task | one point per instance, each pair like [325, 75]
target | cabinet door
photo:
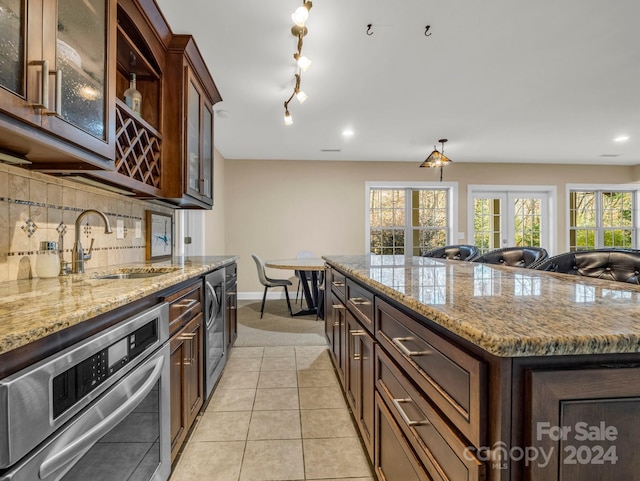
[14, 53]
[586, 421]
[360, 378]
[79, 43]
[335, 328]
[178, 422]
[199, 155]
[207, 153]
[194, 377]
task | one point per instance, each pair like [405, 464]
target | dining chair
[268, 282]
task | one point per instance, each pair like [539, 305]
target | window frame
[599, 229]
[452, 205]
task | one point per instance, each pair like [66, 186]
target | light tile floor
[278, 413]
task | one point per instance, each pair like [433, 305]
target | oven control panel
[79, 380]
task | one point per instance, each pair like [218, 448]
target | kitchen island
[473, 371]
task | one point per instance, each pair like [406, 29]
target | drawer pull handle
[403, 415]
[398, 341]
[189, 303]
[357, 332]
[337, 284]
[338, 306]
[187, 336]
[360, 301]
[336, 324]
[357, 357]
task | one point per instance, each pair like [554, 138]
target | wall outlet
[187, 240]
[138, 234]
[119, 229]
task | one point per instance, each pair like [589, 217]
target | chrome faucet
[77, 255]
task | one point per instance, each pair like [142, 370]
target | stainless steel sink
[130, 275]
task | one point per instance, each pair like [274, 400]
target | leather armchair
[619, 265]
[460, 252]
[514, 256]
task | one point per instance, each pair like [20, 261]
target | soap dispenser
[47, 262]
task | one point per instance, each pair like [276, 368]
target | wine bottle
[132, 97]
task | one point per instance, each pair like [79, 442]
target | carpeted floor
[277, 327]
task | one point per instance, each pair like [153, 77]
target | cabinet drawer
[184, 305]
[338, 284]
[450, 377]
[442, 452]
[360, 302]
[394, 460]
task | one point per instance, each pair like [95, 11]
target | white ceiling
[503, 80]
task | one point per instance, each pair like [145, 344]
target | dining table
[303, 266]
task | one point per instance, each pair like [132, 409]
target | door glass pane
[527, 220]
[193, 138]
[486, 224]
[207, 150]
[12, 45]
[81, 56]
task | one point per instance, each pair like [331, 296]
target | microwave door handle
[79, 445]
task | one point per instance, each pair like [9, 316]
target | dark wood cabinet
[189, 125]
[335, 332]
[58, 79]
[186, 328]
[586, 421]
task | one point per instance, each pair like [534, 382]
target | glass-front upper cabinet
[56, 68]
[199, 165]
[13, 60]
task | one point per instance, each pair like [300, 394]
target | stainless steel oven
[214, 340]
[98, 410]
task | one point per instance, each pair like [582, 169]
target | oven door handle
[83, 443]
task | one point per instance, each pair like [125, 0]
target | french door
[499, 219]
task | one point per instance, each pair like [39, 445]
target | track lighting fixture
[437, 159]
[299, 30]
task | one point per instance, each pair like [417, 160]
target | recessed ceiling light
[348, 132]
[621, 138]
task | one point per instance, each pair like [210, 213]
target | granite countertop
[34, 308]
[508, 311]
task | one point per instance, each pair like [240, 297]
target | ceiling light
[347, 132]
[299, 18]
[303, 62]
[301, 15]
[437, 159]
[621, 138]
[301, 96]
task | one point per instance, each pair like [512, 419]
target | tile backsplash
[36, 207]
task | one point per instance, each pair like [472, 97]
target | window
[516, 217]
[408, 219]
[601, 218]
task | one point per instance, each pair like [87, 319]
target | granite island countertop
[31, 309]
[508, 311]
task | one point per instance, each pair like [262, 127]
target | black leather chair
[514, 256]
[460, 252]
[621, 265]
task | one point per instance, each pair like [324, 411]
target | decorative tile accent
[62, 228]
[29, 227]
